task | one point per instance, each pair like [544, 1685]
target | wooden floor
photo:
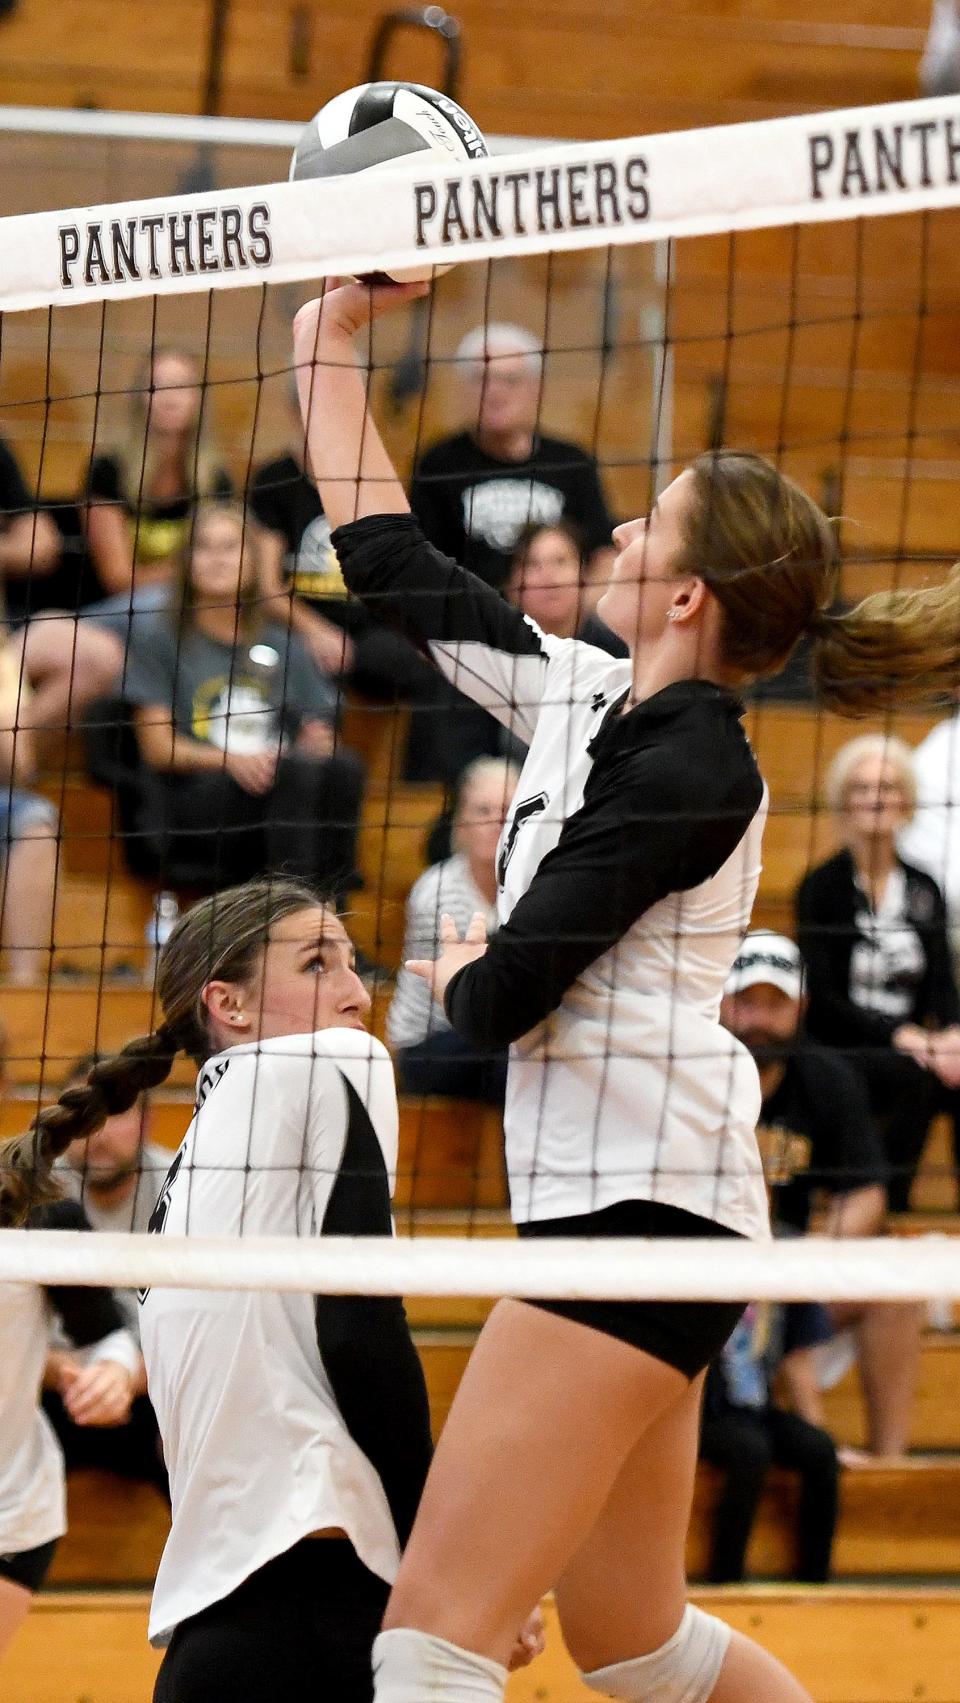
[865, 1645]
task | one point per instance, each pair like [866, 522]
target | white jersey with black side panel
[282, 1414]
[628, 867]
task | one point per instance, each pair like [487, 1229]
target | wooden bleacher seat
[862, 1644]
[116, 1531]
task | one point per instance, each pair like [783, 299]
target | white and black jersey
[282, 1414]
[643, 831]
[32, 1500]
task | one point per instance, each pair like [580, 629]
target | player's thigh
[546, 1414]
[623, 1593]
[15, 1603]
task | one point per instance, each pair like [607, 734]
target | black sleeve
[484, 646]
[14, 496]
[411, 586]
[937, 996]
[825, 935]
[103, 479]
[670, 827]
[88, 1314]
[588, 507]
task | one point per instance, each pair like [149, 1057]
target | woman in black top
[141, 492]
[873, 933]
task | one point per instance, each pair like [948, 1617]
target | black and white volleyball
[380, 125]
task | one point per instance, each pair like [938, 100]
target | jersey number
[524, 812]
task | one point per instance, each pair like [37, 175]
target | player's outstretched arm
[345, 455]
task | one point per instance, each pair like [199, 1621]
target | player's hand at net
[454, 953]
[344, 308]
[531, 1641]
[98, 1394]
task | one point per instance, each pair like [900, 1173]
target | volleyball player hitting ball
[285, 1419]
[628, 867]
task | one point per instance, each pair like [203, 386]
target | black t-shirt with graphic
[815, 1132]
[473, 507]
[158, 529]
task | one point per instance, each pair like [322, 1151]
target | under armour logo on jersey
[528, 808]
[598, 702]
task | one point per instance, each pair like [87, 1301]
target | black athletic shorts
[685, 1334]
[29, 1566]
[301, 1627]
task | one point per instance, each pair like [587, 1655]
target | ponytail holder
[168, 1038]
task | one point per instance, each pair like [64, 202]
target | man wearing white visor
[820, 1150]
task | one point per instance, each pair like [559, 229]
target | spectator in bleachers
[141, 492]
[474, 492]
[749, 1424]
[431, 1058]
[98, 1390]
[66, 662]
[301, 575]
[237, 727]
[820, 1149]
[116, 1176]
[97, 1386]
[932, 839]
[546, 582]
[28, 835]
[873, 933]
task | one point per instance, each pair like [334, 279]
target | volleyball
[380, 125]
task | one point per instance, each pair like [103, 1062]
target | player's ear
[689, 598]
[224, 1004]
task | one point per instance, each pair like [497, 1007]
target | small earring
[672, 614]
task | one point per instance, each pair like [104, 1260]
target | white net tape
[721, 1270]
[898, 158]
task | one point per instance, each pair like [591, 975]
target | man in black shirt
[474, 492]
[818, 1143]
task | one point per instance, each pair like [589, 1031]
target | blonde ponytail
[893, 649]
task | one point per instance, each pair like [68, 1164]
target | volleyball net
[787, 287]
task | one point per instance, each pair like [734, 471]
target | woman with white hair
[872, 930]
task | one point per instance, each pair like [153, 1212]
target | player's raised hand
[454, 953]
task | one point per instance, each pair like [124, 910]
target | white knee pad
[684, 1670]
[415, 1667]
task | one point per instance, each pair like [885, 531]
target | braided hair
[222, 936]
